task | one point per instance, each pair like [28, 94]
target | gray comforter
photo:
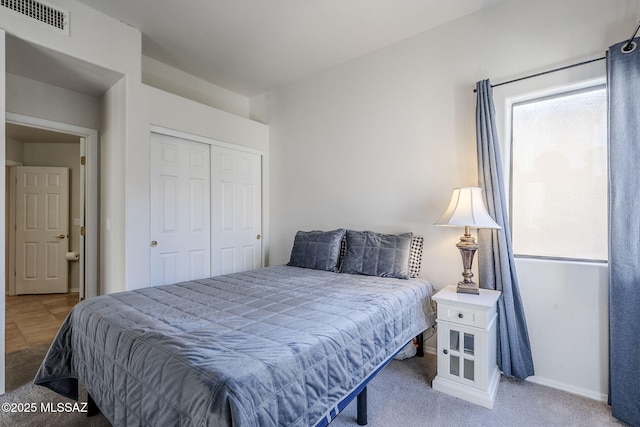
[275, 346]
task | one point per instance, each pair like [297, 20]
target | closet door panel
[180, 248]
[236, 210]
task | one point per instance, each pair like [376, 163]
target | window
[559, 176]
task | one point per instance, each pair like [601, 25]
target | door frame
[10, 285]
[89, 195]
[263, 168]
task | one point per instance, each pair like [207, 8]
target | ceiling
[253, 46]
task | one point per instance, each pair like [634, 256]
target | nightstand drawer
[461, 316]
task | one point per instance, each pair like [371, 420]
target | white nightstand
[467, 345]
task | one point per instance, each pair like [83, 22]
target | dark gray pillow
[319, 250]
[376, 254]
[415, 255]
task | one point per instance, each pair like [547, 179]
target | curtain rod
[627, 48]
[547, 72]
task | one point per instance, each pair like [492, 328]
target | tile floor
[33, 320]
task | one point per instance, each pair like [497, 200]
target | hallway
[34, 320]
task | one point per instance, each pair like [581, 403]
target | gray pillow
[415, 255]
[376, 254]
[319, 250]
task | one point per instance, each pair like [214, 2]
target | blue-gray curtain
[623, 86]
[496, 266]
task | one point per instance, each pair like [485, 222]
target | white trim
[568, 388]
[10, 220]
[82, 289]
[549, 383]
[88, 145]
[202, 139]
[3, 154]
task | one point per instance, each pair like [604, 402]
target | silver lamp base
[468, 248]
[468, 288]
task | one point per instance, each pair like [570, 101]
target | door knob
[258, 237]
[60, 236]
[154, 243]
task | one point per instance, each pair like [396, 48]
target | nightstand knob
[445, 351]
[460, 315]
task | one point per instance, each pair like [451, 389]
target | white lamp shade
[467, 209]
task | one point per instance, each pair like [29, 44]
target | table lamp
[467, 210]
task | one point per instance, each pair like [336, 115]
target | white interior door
[236, 186]
[180, 210]
[42, 229]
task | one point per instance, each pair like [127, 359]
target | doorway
[50, 84]
[33, 148]
[32, 320]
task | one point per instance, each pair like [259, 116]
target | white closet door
[236, 184]
[42, 229]
[180, 210]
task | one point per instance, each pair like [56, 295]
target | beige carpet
[21, 366]
[400, 395]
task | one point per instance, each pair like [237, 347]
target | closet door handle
[258, 237]
[154, 243]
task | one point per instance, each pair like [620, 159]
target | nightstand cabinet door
[458, 350]
[467, 345]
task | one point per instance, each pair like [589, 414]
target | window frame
[539, 96]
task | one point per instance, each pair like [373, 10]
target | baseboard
[594, 395]
[550, 383]
[74, 290]
[485, 398]
[431, 350]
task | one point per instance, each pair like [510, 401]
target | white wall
[567, 315]
[380, 141]
[99, 41]
[170, 111]
[36, 99]
[14, 151]
[125, 113]
[112, 187]
[94, 38]
[123, 116]
[44, 101]
[169, 79]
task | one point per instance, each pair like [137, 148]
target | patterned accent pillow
[376, 254]
[319, 250]
[415, 256]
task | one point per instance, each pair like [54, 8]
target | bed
[285, 345]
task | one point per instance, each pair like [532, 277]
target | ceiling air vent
[41, 11]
